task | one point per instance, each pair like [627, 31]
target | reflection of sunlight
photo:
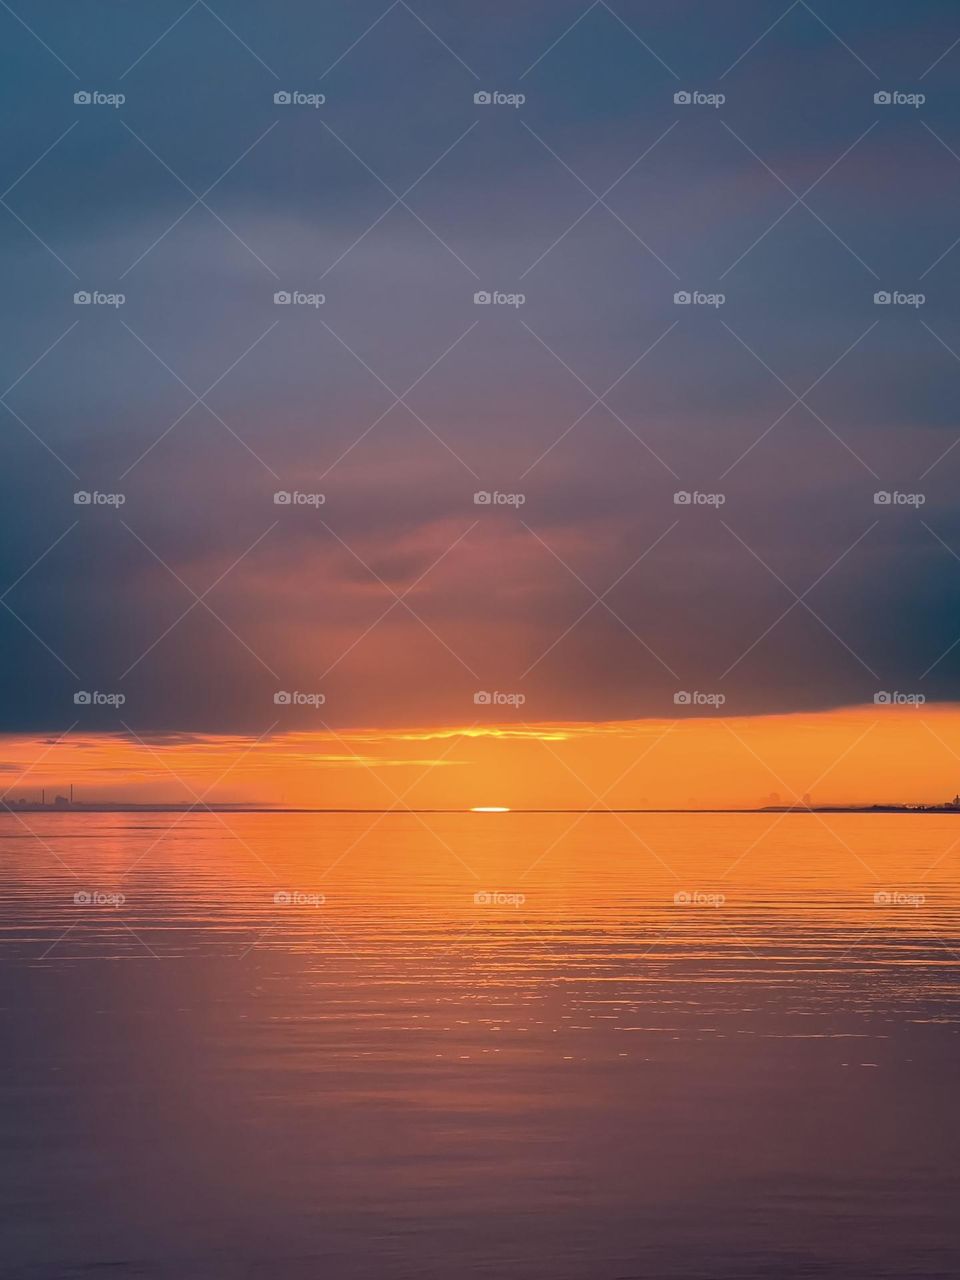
[489, 808]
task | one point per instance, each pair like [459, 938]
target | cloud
[398, 398]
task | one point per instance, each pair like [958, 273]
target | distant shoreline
[279, 809]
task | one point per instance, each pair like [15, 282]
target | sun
[489, 808]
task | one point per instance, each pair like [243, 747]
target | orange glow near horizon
[859, 755]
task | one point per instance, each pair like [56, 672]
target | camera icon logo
[882, 298]
[282, 699]
[482, 298]
[682, 98]
[482, 699]
[282, 98]
[282, 498]
[682, 699]
[82, 498]
[682, 498]
[482, 99]
[882, 98]
[882, 498]
[82, 698]
[882, 699]
[82, 299]
[682, 298]
[82, 98]
[282, 298]
[482, 498]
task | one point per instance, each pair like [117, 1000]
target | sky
[587, 605]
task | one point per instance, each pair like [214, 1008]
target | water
[599, 1082]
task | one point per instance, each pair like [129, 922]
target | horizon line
[242, 807]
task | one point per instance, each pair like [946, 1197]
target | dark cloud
[496, 398]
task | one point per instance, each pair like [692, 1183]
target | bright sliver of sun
[489, 808]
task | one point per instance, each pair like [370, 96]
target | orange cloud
[855, 755]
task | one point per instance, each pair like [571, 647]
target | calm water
[375, 1075]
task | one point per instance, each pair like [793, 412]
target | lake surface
[656, 1046]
